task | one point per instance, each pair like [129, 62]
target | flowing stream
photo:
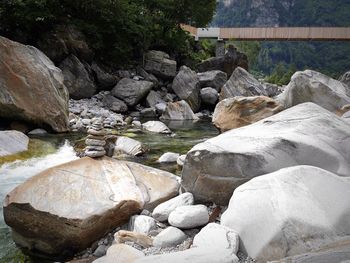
[51, 150]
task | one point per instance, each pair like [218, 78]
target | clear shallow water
[53, 150]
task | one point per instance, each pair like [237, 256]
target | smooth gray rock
[189, 216]
[169, 237]
[77, 78]
[37, 132]
[312, 86]
[156, 126]
[217, 236]
[193, 255]
[209, 96]
[289, 212]
[162, 211]
[242, 83]
[160, 107]
[142, 224]
[214, 79]
[132, 91]
[100, 251]
[126, 145]
[153, 98]
[168, 157]
[160, 64]
[186, 86]
[12, 142]
[304, 134]
[178, 111]
[114, 104]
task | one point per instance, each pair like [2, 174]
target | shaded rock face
[209, 96]
[31, 87]
[179, 110]
[312, 86]
[63, 41]
[105, 81]
[299, 135]
[186, 86]
[214, 79]
[289, 212]
[338, 251]
[241, 111]
[114, 104]
[66, 208]
[242, 83]
[160, 64]
[227, 63]
[132, 91]
[77, 79]
[12, 142]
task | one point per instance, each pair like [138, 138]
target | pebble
[168, 157]
[169, 237]
[190, 216]
[162, 211]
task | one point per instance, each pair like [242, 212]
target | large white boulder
[312, 86]
[64, 209]
[289, 212]
[304, 134]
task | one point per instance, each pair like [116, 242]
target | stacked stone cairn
[95, 140]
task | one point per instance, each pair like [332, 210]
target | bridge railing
[272, 33]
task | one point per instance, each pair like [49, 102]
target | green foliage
[281, 74]
[205, 49]
[116, 29]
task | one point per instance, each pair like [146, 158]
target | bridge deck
[272, 33]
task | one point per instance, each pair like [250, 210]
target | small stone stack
[95, 141]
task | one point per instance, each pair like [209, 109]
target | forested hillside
[329, 57]
[117, 31]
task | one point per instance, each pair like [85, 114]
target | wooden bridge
[272, 33]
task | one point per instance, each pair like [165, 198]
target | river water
[51, 150]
